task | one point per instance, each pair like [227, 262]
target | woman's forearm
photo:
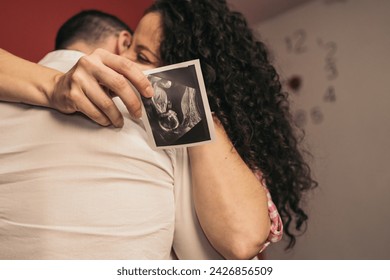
[25, 82]
[82, 89]
[230, 201]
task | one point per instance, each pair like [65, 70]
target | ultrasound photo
[178, 114]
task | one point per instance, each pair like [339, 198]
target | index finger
[129, 70]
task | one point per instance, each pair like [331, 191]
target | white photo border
[204, 100]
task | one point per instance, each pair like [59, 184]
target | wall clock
[309, 68]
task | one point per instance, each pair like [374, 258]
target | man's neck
[81, 47]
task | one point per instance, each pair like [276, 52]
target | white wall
[341, 47]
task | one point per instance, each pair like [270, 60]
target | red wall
[28, 27]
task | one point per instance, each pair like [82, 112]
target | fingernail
[119, 123]
[138, 114]
[106, 123]
[149, 91]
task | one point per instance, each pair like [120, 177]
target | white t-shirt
[70, 189]
[61, 60]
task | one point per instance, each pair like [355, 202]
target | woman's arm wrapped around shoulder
[87, 88]
[22, 81]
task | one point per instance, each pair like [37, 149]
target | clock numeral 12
[296, 42]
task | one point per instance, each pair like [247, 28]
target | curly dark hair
[245, 94]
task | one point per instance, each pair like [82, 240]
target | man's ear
[124, 41]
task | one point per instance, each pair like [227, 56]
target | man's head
[91, 29]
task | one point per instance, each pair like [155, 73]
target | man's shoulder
[61, 60]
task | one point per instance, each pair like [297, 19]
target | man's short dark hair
[90, 26]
